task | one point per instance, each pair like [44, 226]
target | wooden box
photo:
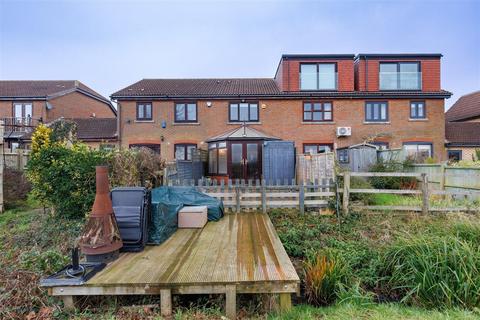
[192, 217]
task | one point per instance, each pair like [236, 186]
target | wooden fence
[423, 190]
[255, 194]
[450, 178]
[16, 160]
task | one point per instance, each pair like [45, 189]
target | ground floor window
[342, 155]
[316, 148]
[418, 152]
[183, 151]
[152, 146]
[107, 147]
[217, 158]
[454, 155]
[381, 145]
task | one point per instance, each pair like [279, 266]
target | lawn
[34, 243]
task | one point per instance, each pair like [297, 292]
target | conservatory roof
[242, 133]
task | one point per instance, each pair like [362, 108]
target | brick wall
[430, 69]
[78, 105]
[283, 118]
[288, 74]
[6, 109]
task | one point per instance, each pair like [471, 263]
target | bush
[432, 271]
[64, 178]
[44, 262]
[324, 275]
[392, 182]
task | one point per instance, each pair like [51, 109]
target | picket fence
[238, 195]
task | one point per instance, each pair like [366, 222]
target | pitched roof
[43, 89]
[468, 106]
[89, 129]
[247, 87]
[462, 133]
[180, 87]
[96, 128]
[242, 133]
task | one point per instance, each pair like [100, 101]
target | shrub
[64, 178]
[44, 262]
[392, 182]
[324, 274]
[434, 271]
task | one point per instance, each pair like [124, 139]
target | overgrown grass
[373, 312]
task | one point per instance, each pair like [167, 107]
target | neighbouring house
[97, 133]
[320, 102]
[26, 103]
[463, 128]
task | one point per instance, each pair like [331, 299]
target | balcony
[400, 80]
[327, 81]
[15, 126]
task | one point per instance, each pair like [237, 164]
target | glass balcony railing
[318, 81]
[400, 80]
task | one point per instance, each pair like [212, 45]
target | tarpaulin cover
[167, 201]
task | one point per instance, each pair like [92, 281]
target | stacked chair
[131, 208]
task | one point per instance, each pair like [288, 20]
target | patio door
[245, 159]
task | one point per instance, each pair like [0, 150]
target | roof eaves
[397, 55]
[317, 56]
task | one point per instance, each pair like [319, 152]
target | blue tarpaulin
[167, 201]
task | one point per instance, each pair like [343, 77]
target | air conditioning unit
[344, 131]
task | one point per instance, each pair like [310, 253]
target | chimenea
[100, 240]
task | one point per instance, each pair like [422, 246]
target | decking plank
[240, 248]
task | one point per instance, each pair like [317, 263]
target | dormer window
[400, 76]
[318, 76]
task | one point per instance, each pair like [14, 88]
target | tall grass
[434, 271]
[324, 274]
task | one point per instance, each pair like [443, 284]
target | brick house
[321, 102]
[24, 104]
[463, 127]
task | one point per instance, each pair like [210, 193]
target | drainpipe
[119, 117]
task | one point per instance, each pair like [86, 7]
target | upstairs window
[183, 151]
[243, 111]
[185, 112]
[417, 110]
[22, 112]
[376, 112]
[318, 76]
[400, 76]
[144, 111]
[317, 111]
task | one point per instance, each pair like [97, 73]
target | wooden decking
[241, 253]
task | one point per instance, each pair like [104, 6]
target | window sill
[246, 122]
[144, 121]
[318, 122]
[419, 119]
[185, 123]
[376, 122]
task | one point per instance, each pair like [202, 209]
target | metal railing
[20, 124]
[400, 80]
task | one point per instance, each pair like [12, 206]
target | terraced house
[321, 102]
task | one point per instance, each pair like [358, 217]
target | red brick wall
[283, 118]
[6, 109]
[288, 75]
[78, 105]
[430, 74]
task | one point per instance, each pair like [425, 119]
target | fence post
[1, 165]
[19, 159]
[346, 192]
[264, 197]
[301, 197]
[237, 198]
[425, 196]
[442, 176]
